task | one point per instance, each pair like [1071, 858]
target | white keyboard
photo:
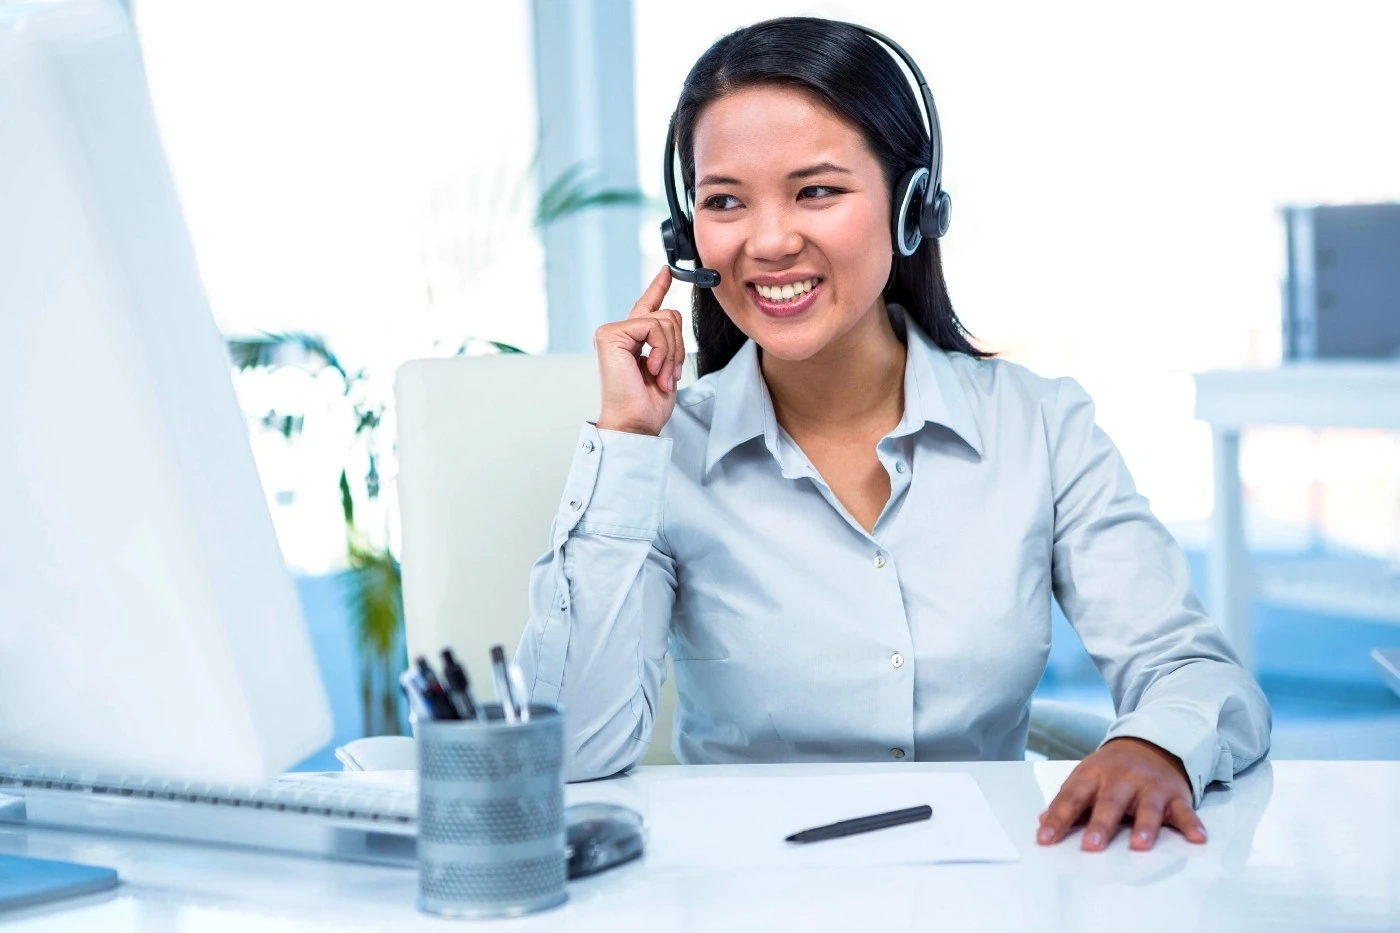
[322, 814]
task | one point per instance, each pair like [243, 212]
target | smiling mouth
[785, 301]
[781, 294]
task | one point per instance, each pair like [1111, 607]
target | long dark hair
[860, 80]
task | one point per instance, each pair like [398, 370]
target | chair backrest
[485, 444]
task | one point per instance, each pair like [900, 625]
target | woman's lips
[784, 308]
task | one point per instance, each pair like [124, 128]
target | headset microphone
[675, 230]
[699, 276]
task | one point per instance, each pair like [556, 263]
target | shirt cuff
[1183, 733]
[616, 485]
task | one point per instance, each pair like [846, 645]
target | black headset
[934, 211]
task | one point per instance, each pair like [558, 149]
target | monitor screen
[148, 624]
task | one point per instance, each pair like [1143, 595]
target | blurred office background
[373, 183]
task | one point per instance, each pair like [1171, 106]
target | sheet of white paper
[705, 824]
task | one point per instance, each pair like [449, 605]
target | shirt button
[588, 447]
[899, 466]
[575, 504]
[879, 561]
[897, 753]
[563, 602]
[897, 659]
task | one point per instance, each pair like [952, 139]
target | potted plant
[375, 600]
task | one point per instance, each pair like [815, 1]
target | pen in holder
[491, 814]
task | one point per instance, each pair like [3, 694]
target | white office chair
[485, 445]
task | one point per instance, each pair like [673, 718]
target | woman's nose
[773, 236]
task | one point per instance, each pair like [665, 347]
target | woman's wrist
[605, 425]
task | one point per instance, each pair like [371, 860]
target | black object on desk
[458, 689]
[863, 824]
[600, 836]
[433, 692]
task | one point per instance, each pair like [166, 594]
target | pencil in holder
[491, 814]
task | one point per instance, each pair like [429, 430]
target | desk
[1323, 394]
[1294, 845]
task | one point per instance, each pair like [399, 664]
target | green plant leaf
[283, 423]
[347, 503]
[494, 344]
[376, 600]
[573, 192]
[265, 351]
[505, 347]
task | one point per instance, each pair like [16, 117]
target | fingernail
[1046, 833]
[1095, 839]
[678, 371]
[1143, 835]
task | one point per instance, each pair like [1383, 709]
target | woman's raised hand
[639, 392]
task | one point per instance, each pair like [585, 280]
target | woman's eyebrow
[718, 180]
[821, 168]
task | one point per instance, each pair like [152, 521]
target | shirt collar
[743, 407]
[932, 394]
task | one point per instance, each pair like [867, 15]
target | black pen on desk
[433, 692]
[459, 688]
[501, 679]
[863, 824]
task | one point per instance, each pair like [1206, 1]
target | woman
[850, 528]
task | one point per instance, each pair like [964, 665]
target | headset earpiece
[936, 216]
[906, 220]
[675, 241]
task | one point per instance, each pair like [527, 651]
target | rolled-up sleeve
[601, 601]
[1124, 584]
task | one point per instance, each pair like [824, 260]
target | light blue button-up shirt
[795, 635]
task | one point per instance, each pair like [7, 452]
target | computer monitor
[148, 624]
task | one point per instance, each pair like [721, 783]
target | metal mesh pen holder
[491, 814]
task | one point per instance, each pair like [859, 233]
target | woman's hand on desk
[639, 392]
[1126, 776]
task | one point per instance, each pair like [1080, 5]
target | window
[358, 171]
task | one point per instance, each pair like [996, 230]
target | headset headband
[935, 132]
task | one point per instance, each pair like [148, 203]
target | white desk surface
[1294, 845]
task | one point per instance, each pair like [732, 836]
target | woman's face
[792, 210]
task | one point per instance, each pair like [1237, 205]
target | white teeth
[786, 292]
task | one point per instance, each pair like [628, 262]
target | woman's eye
[818, 191]
[719, 202]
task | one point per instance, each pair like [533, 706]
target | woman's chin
[791, 341]
[783, 344]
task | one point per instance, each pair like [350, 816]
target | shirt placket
[897, 657]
